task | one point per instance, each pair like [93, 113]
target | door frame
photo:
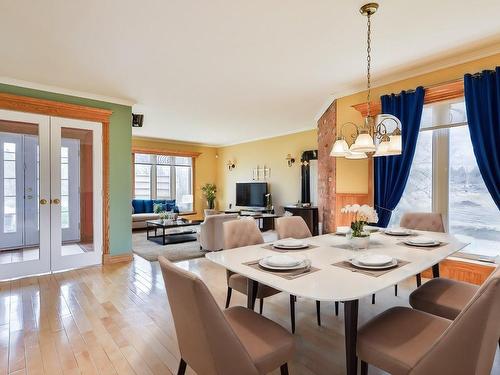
[73, 111]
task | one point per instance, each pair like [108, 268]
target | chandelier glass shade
[379, 135]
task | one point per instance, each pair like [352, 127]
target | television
[251, 194]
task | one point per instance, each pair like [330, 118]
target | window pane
[9, 169]
[417, 195]
[163, 182]
[9, 187]
[9, 147]
[142, 188]
[163, 159]
[143, 158]
[183, 160]
[183, 188]
[473, 216]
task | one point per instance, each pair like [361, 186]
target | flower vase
[359, 242]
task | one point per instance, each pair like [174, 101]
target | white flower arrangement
[362, 215]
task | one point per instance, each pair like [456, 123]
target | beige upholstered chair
[406, 341]
[296, 227]
[443, 297]
[427, 221]
[211, 236]
[239, 233]
[292, 227]
[215, 342]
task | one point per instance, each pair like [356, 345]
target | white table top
[332, 283]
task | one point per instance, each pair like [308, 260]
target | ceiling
[225, 71]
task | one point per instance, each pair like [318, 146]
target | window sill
[187, 213]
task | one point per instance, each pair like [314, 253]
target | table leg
[435, 270]
[164, 243]
[147, 231]
[252, 287]
[351, 335]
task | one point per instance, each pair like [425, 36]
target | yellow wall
[284, 181]
[352, 175]
[205, 165]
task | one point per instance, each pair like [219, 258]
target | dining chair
[296, 227]
[443, 297]
[239, 233]
[216, 342]
[408, 341]
[426, 221]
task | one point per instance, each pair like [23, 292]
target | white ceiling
[225, 71]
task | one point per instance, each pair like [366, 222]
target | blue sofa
[142, 210]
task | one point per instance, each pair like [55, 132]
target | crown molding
[423, 68]
[64, 91]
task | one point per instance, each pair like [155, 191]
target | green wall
[120, 179]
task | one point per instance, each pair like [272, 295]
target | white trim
[64, 91]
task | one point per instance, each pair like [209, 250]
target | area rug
[150, 250]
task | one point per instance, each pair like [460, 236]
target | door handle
[56, 201]
[43, 201]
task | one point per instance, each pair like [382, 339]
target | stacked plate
[370, 228]
[374, 261]
[284, 262]
[290, 244]
[422, 242]
[398, 232]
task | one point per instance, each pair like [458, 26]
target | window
[445, 178]
[164, 177]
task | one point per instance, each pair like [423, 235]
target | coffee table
[183, 234]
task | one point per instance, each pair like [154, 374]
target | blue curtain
[391, 172]
[482, 101]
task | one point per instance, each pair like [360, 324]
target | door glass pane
[473, 216]
[19, 198]
[77, 196]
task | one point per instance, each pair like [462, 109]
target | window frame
[153, 182]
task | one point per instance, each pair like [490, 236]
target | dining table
[329, 279]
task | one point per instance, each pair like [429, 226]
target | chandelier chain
[368, 61]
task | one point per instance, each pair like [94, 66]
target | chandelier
[379, 135]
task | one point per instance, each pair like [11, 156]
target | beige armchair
[211, 236]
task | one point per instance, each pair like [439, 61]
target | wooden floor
[115, 319]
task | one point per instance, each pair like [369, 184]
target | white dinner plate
[374, 259]
[370, 228]
[420, 240]
[304, 263]
[290, 244]
[397, 232]
[342, 231]
[282, 260]
[420, 244]
[393, 263]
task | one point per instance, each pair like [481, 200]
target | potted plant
[209, 191]
[362, 215]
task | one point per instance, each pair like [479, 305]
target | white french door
[50, 194]
[76, 209]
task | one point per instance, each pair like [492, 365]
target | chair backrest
[292, 227]
[429, 221]
[211, 237]
[243, 232]
[207, 342]
[469, 344]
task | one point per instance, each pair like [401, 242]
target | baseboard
[109, 259]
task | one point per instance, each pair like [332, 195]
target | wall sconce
[230, 165]
[290, 160]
